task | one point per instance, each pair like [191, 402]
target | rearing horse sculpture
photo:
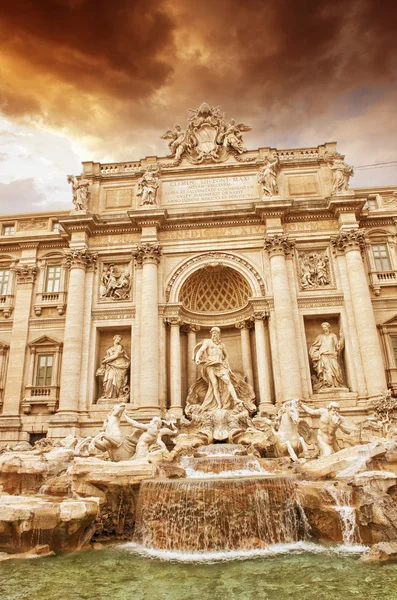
[289, 440]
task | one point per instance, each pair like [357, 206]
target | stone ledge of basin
[95, 470]
[23, 508]
[345, 463]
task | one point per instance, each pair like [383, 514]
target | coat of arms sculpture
[207, 137]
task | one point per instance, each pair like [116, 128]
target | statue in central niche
[221, 386]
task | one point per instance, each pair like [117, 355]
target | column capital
[260, 315]
[190, 328]
[349, 240]
[147, 252]
[80, 258]
[245, 324]
[277, 245]
[26, 273]
[173, 321]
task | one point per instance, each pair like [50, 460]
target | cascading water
[216, 514]
[347, 514]
[227, 466]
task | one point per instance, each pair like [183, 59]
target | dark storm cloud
[124, 70]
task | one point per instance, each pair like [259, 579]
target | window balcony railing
[382, 278]
[6, 305]
[40, 395]
[50, 300]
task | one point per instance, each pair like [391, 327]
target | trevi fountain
[195, 402]
[157, 504]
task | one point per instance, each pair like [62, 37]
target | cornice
[113, 313]
[385, 303]
[319, 301]
[148, 217]
[48, 322]
[80, 222]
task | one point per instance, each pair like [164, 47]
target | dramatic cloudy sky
[101, 80]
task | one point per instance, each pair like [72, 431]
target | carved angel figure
[267, 177]
[81, 191]
[180, 141]
[341, 173]
[233, 136]
[148, 185]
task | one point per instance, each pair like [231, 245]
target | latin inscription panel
[210, 189]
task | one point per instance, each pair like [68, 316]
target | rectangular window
[44, 369]
[53, 282]
[9, 229]
[381, 257]
[394, 345]
[4, 275]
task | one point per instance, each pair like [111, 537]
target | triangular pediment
[392, 321]
[44, 340]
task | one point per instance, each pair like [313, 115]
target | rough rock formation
[29, 521]
[345, 463]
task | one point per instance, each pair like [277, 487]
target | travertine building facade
[266, 244]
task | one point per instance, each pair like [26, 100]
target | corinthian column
[265, 392]
[77, 260]
[244, 327]
[175, 366]
[351, 243]
[148, 254]
[25, 277]
[191, 329]
[278, 248]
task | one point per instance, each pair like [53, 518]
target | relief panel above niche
[314, 269]
[306, 184]
[118, 198]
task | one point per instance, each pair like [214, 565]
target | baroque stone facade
[272, 246]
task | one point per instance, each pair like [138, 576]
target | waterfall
[346, 512]
[221, 465]
[217, 514]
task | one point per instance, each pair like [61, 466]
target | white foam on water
[232, 555]
[193, 474]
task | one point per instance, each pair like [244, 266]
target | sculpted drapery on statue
[148, 185]
[114, 370]
[341, 173]
[267, 176]
[218, 387]
[325, 355]
[81, 190]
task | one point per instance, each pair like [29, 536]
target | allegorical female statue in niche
[114, 369]
[325, 355]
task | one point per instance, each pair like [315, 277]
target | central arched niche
[215, 289]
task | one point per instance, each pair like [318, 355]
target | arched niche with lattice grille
[215, 288]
